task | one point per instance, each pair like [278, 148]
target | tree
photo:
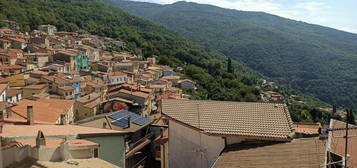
[334, 109]
[351, 117]
[230, 68]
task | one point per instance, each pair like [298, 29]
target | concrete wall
[81, 112]
[47, 154]
[81, 153]
[112, 149]
[190, 148]
[15, 154]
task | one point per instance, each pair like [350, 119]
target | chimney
[3, 113]
[30, 116]
[63, 120]
[40, 139]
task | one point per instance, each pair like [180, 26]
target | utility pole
[346, 137]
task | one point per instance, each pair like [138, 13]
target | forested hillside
[313, 59]
[207, 67]
[93, 16]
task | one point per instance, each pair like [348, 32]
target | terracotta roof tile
[232, 118]
[299, 153]
[117, 74]
[3, 87]
[45, 110]
[40, 86]
[135, 93]
[12, 92]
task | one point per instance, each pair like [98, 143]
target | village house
[41, 39]
[87, 106]
[274, 96]
[17, 43]
[4, 44]
[3, 90]
[187, 84]
[92, 53]
[168, 72]
[114, 78]
[56, 68]
[31, 90]
[9, 56]
[66, 86]
[49, 29]
[206, 128]
[143, 99]
[124, 66]
[17, 80]
[8, 70]
[11, 24]
[13, 95]
[39, 60]
[144, 78]
[56, 143]
[138, 138]
[61, 111]
[76, 60]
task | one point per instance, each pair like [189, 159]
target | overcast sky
[339, 14]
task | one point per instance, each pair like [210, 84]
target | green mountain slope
[94, 16]
[313, 59]
[208, 68]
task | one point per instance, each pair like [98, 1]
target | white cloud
[347, 29]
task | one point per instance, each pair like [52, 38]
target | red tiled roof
[39, 86]
[307, 128]
[18, 40]
[299, 153]
[12, 92]
[117, 74]
[135, 93]
[45, 110]
[3, 87]
[256, 120]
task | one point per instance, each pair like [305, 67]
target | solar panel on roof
[121, 122]
[119, 114]
[133, 116]
[141, 121]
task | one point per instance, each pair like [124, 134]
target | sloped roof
[3, 87]
[117, 74]
[306, 153]
[12, 92]
[337, 143]
[45, 110]
[265, 120]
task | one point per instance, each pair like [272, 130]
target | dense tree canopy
[313, 59]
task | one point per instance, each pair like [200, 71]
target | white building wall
[190, 148]
[15, 154]
[118, 79]
[3, 96]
